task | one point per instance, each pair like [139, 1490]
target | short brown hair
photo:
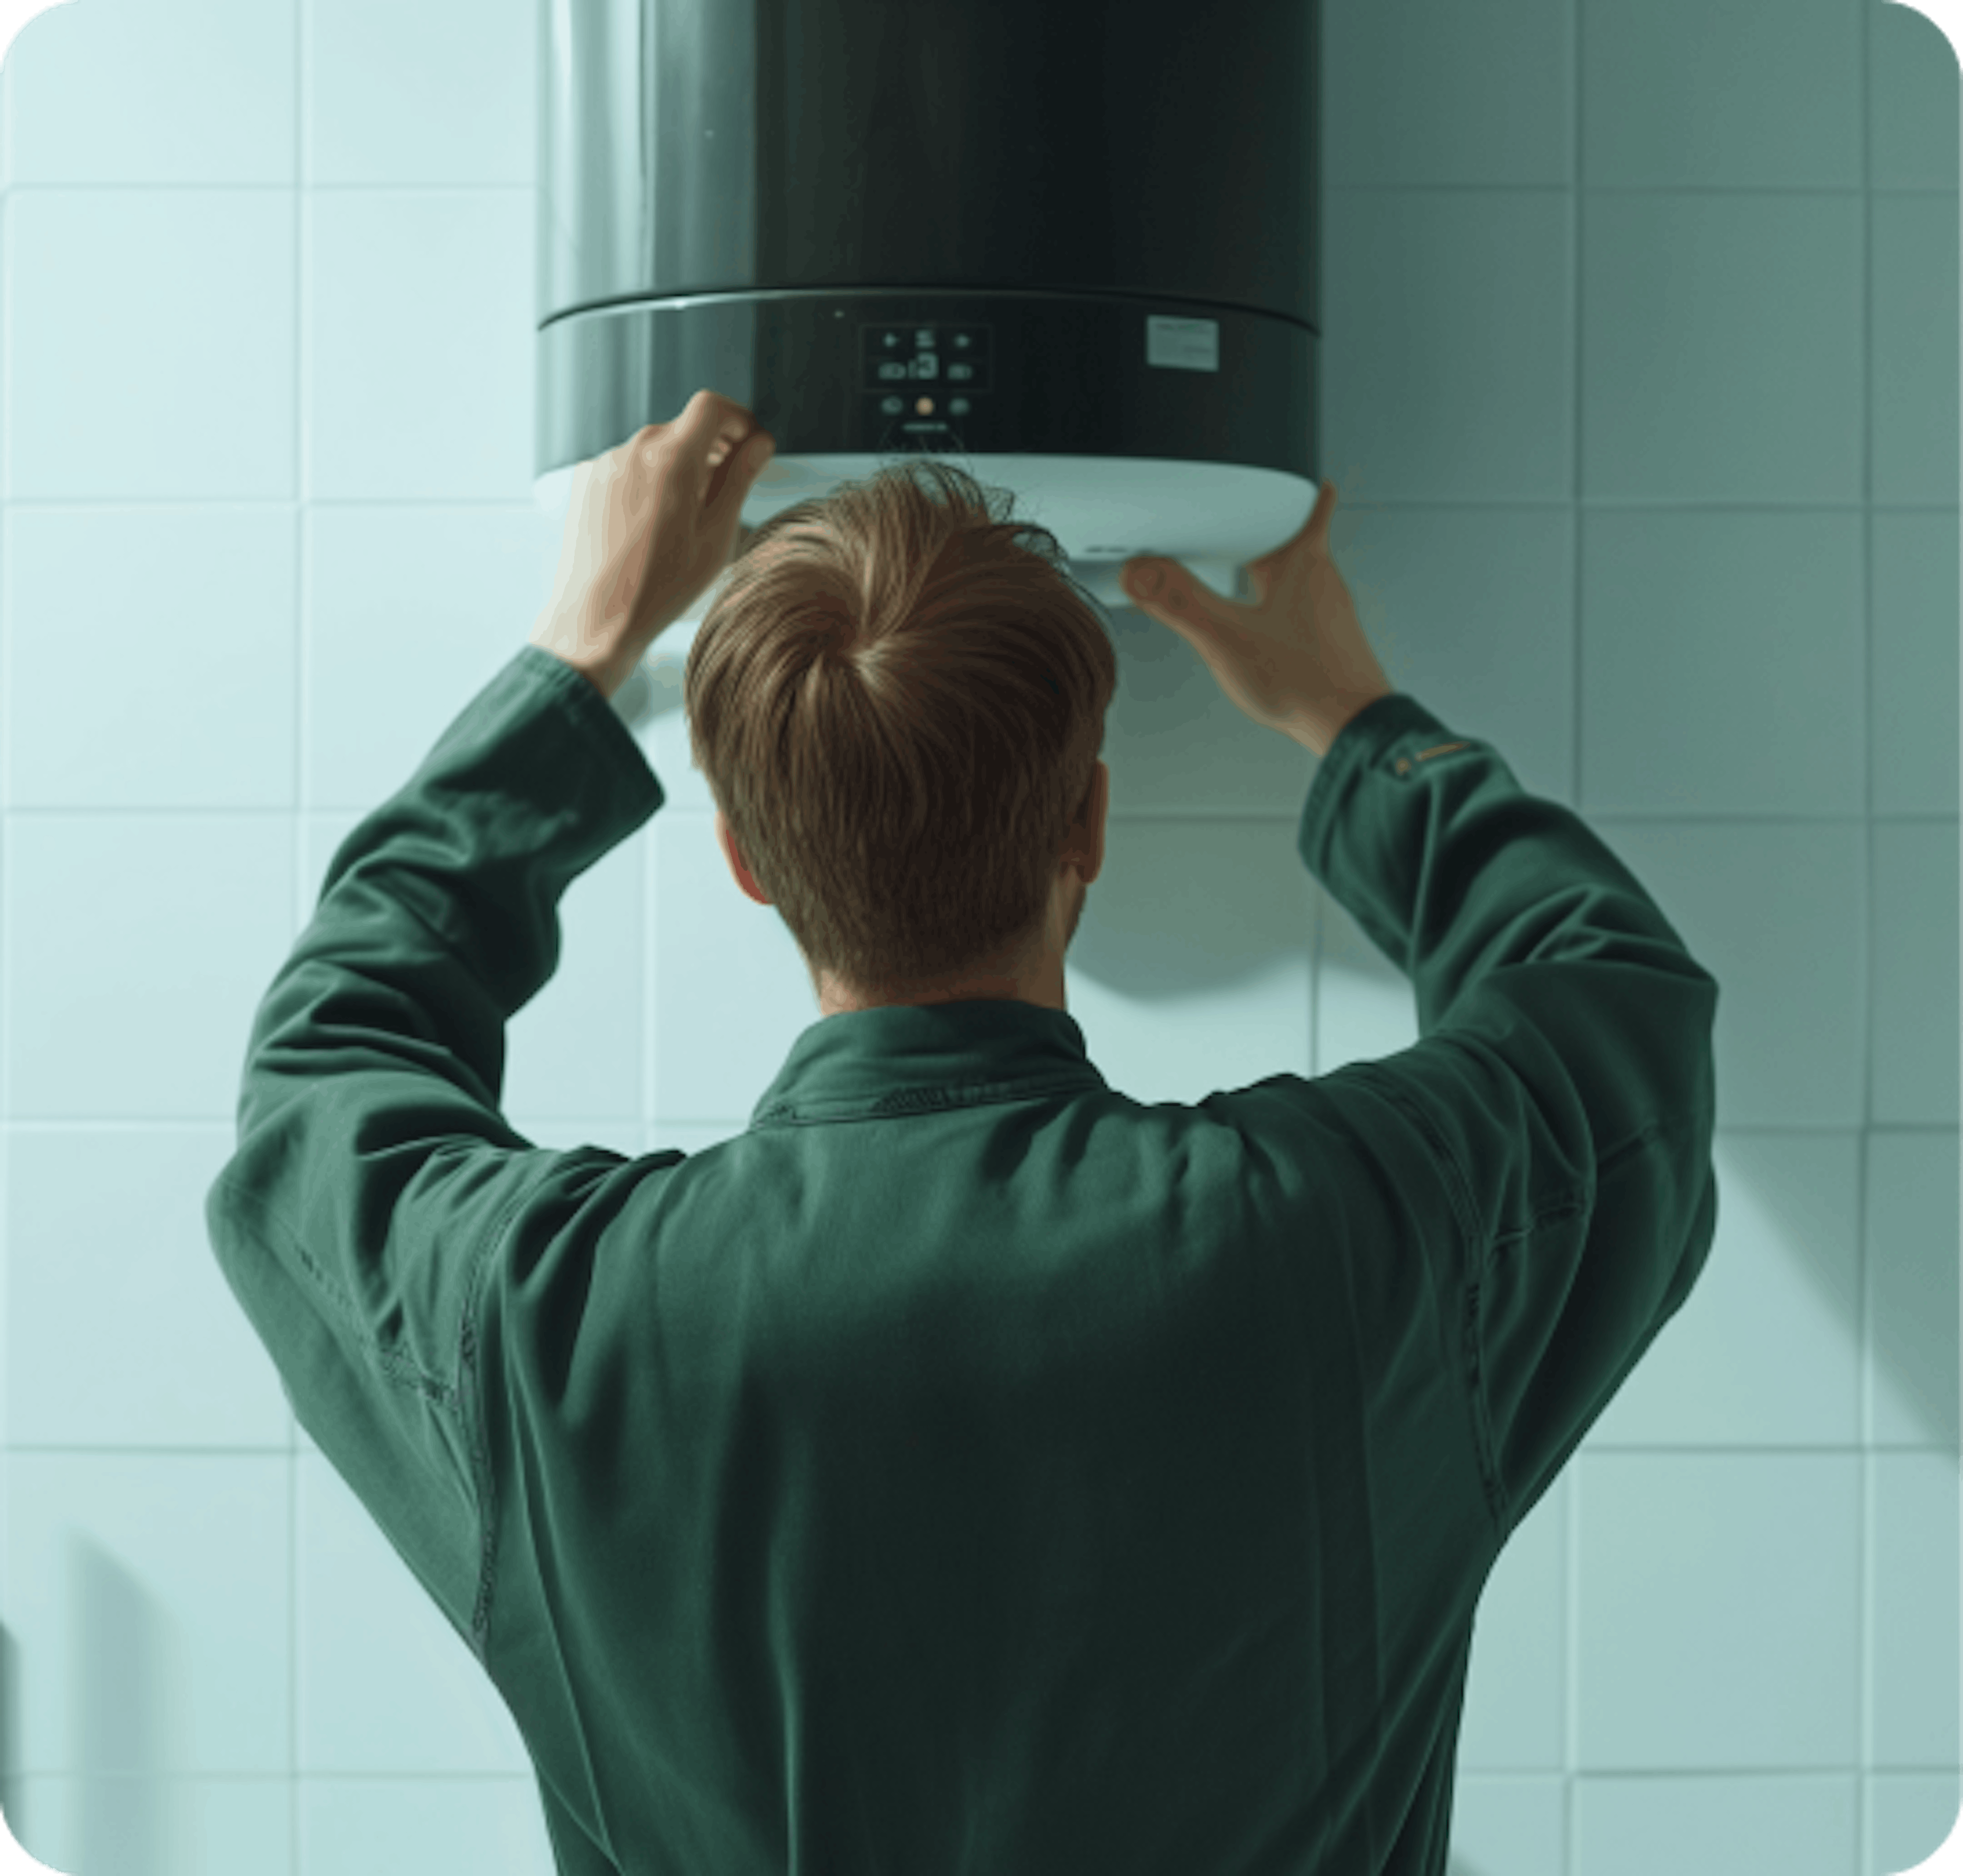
[897, 701]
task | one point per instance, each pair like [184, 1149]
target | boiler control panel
[920, 381]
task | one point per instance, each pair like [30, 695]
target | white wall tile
[1775, 910]
[1912, 99]
[150, 1599]
[1916, 660]
[1916, 1016]
[419, 362]
[1433, 89]
[1468, 293]
[151, 344]
[1913, 373]
[1911, 1816]
[1797, 1824]
[439, 92]
[1720, 334]
[1911, 1589]
[423, 1827]
[161, 1827]
[1721, 656]
[1470, 609]
[184, 696]
[1718, 1619]
[130, 91]
[1766, 1352]
[1772, 100]
[121, 1328]
[138, 948]
[1513, 1826]
[411, 609]
[1911, 1236]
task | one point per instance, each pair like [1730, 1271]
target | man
[966, 1468]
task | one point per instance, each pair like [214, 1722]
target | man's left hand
[652, 522]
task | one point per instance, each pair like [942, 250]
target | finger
[710, 420]
[746, 464]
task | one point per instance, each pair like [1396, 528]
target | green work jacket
[968, 1469]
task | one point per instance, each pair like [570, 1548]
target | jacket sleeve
[1545, 1147]
[375, 1175]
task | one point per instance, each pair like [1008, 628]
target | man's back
[969, 1468]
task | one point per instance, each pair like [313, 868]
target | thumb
[1145, 580]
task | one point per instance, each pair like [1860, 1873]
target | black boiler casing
[1070, 244]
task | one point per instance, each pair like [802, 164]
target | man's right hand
[1296, 660]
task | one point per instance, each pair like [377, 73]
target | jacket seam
[468, 1350]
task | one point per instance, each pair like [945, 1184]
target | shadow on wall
[10, 1730]
[119, 1811]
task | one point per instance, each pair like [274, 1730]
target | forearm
[605, 667]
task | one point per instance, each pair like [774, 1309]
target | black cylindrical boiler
[1070, 244]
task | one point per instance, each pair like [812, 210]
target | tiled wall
[1642, 389]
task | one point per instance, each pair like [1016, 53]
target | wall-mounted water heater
[1072, 247]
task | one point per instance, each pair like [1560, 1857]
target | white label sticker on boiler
[1182, 344]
